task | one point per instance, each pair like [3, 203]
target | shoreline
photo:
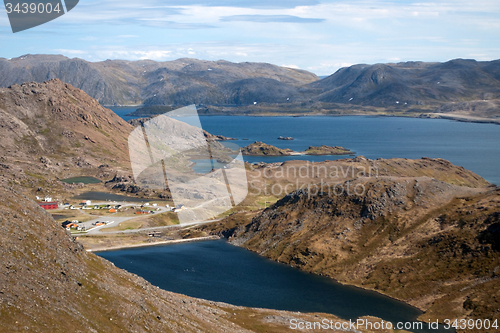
[423, 115]
[173, 241]
[461, 118]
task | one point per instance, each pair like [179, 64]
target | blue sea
[475, 146]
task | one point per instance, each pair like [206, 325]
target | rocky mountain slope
[51, 131]
[54, 118]
[179, 82]
[49, 283]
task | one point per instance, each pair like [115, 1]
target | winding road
[112, 220]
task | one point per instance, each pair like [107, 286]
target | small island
[262, 149]
[328, 150]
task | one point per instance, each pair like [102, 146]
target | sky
[318, 36]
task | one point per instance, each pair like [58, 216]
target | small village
[100, 214]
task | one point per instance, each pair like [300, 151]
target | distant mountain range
[457, 86]
[178, 82]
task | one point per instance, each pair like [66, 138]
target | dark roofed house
[66, 223]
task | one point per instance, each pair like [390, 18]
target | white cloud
[71, 52]
[130, 54]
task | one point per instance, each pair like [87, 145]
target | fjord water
[474, 146]
[122, 111]
[218, 271]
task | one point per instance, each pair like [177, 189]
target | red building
[48, 205]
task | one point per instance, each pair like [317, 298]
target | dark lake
[81, 179]
[218, 271]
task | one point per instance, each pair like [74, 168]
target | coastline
[173, 241]
[461, 118]
[423, 115]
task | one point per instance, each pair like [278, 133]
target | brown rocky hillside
[52, 130]
[292, 175]
[49, 283]
[55, 119]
